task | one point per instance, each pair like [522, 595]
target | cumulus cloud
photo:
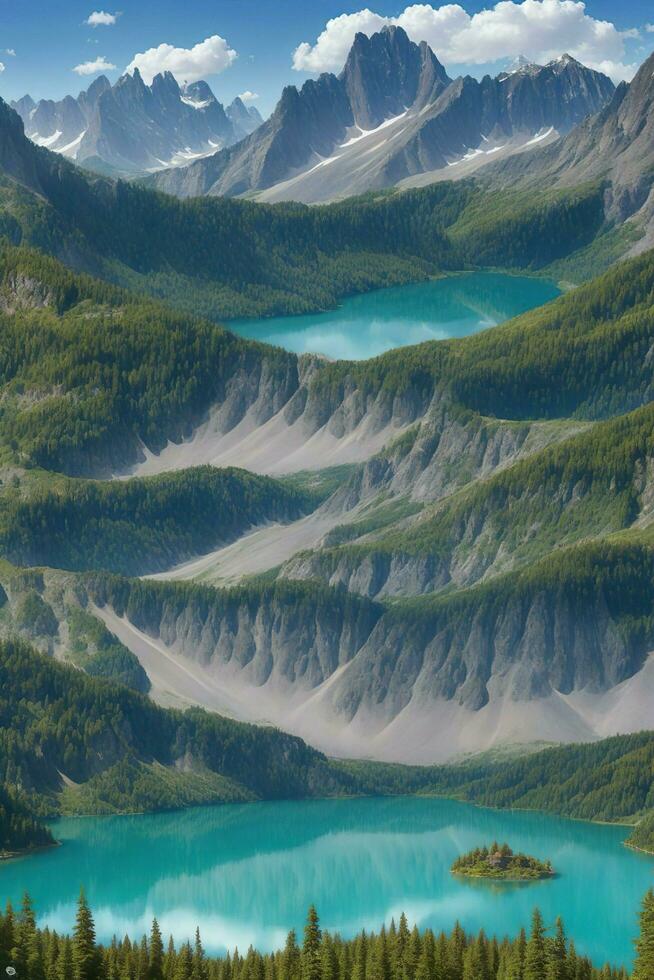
[208, 57]
[539, 29]
[11, 52]
[2, 67]
[649, 28]
[248, 96]
[100, 18]
[93, 67]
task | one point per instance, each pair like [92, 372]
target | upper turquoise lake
[371, 323]
[247, 873]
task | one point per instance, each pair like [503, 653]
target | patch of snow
[70, 150]
[195, 105]
[46, 141]
[540, 136]
[364, 133]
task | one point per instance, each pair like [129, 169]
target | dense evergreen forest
[540, 952]
[123, 748]
[138, 526]
[605, 780]
[19, 829]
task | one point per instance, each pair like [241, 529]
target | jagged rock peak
[385, 72]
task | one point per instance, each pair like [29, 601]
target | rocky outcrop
[616, 144]
[386, 73]
[347, 673]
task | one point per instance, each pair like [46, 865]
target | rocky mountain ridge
[131, 127]
[616, 145]
[392, 115]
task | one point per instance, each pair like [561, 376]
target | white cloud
[649, 28]
[2, 67]
[11, 52]
[93, 67]
[539, 29]
[100, 18]
[208, 57]
[248, 96]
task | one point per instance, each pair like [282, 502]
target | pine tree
[7, 938]
[24, 933]
[516, 964]
[170, 960]
[328, 959]
[65, 960]
[557, 967]
[156, 953]
[644, 965]
[311, 947]
[199, 971]
[360, 966]
[426, 969]
[536, 951]
[184, 963]
[85, 956]
[291, 958]
[380, 967]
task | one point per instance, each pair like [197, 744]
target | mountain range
[132, 127]
[393, 116]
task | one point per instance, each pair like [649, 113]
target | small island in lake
[499, 861]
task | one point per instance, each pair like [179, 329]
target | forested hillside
[604, 781]
[128, 753]
[20, 830]
[137, 526]
[585, 486]
[105, 373]
[261, 259]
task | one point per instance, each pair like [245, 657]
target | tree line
[394, 953]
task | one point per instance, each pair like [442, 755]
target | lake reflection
[246, 874]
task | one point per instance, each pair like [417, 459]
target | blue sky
[252, 45]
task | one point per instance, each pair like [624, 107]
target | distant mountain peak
[132, 127]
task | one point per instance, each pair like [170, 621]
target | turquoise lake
[369, 324]
[247, 873]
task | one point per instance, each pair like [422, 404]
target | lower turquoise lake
[371, 323]
[247, 873]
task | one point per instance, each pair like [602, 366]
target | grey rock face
[312, 151]
[386, 73]
[617, 144]
[357, 663]
[244, 119]
[130, 126]
[383, 76]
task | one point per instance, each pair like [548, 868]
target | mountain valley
[442, 550]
